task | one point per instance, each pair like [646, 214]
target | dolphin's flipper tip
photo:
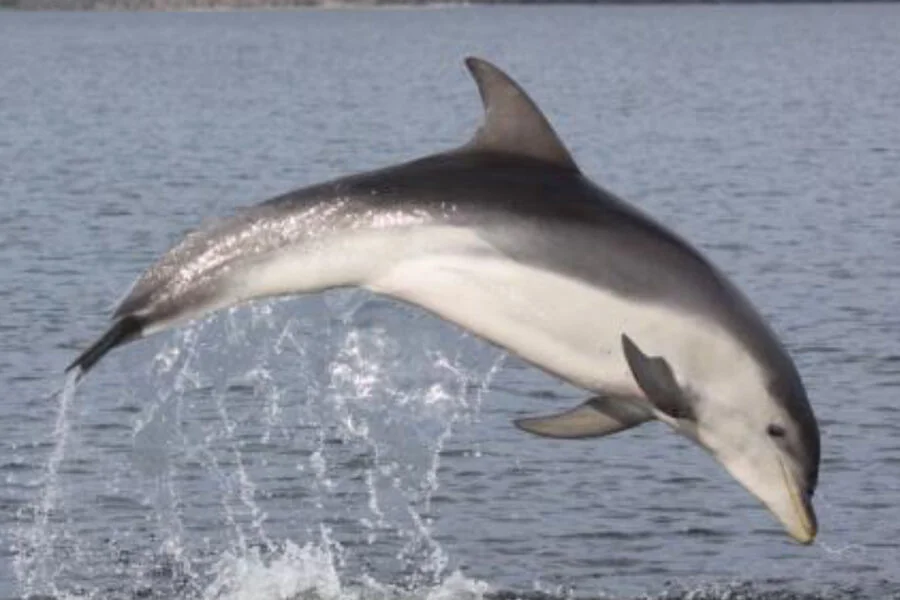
[125, 329]
[598, 416]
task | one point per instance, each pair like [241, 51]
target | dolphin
[505, 237]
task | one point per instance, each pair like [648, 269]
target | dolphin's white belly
[564, 325]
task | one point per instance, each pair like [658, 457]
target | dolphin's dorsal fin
[513, 123]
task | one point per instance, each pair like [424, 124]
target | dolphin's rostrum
[505, 237]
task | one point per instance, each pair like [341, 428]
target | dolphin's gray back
[551, 218]
[558, 220]
[555, 219]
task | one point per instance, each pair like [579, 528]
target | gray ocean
[344, 447]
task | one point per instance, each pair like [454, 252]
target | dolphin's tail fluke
[123, 330]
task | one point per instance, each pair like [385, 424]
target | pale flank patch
[564, 325]
[567, 326]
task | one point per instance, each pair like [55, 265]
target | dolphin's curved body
[508, 239]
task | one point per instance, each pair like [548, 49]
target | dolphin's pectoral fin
[599, 416]
[654, 376]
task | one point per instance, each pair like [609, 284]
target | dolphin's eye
[776, 431]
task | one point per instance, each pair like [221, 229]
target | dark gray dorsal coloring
[513, 124]
[655, 378]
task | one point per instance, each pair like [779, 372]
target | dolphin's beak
[779, 490]
[801, 524]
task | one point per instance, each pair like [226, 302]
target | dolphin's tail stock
[123, 330]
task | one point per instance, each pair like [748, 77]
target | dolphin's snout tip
[804, 535]
[801, 524]
[805, 526]
[810, 526]
[798, 517]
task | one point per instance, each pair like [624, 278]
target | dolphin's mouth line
[801, 509]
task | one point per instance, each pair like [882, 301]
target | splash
[271, 456]
[292, 572]
[36, 562]
[311, 572]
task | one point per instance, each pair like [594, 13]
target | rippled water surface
[344, 447]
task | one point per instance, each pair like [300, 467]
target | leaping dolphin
[506, 237]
